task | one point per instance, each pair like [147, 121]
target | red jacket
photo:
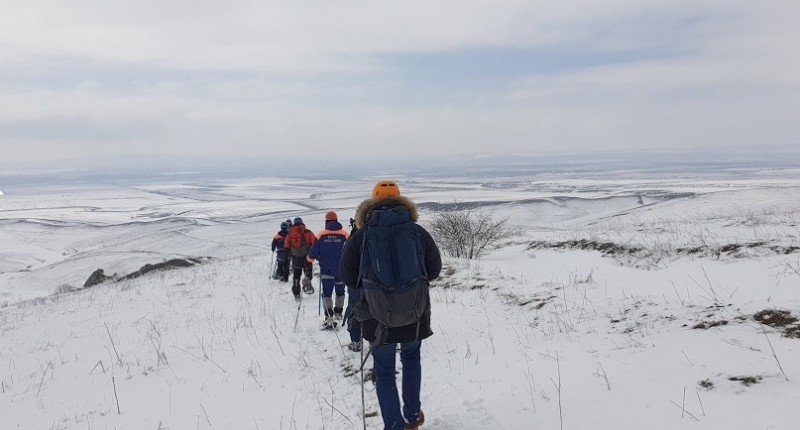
[299, 240]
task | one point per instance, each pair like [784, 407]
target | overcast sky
[395, 78]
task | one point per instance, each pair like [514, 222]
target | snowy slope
[215, 347]
[526, 338]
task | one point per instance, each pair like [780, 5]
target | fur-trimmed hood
[372, 202]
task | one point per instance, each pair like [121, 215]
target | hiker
[392, 259]
[328, 251]
[353, 296]
[298, 241]
[281, 254]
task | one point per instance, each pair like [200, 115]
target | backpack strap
[361, 260]
[381, 331]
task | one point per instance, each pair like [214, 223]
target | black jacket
[351, 258]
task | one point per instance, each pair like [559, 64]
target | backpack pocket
[397, 308]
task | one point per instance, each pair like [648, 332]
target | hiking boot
[307, 287]
[369, 375]
[296, 287]
[416, 424]
[354, 346]
[329, 324]
[337, 313]
[298, 297]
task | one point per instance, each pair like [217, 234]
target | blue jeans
[383, 358]
[353, 326]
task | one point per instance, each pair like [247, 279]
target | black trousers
[283, 270]
[299, 265]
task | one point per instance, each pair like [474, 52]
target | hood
[373, 202]
[332, 225]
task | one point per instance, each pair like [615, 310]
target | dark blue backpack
[392, 269]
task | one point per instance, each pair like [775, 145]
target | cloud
[329, 36]
[374, 77]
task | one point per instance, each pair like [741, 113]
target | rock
[96, 278]
[175, 263]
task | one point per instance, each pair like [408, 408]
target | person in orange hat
[385, 188]
[327, 249]
[392, 259]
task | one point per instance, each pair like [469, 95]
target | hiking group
[385, 263]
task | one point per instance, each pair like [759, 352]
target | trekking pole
[272, 265]
[363, 403]
[338, 339]
[297, 317]
[363, 358]
[319, 302]
[347, 314]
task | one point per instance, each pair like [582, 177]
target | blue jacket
[328, 248]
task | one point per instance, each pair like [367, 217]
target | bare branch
[468, 232]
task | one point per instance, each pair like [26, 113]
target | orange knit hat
[385, 188]
[331, 216]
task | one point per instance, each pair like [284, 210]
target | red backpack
[296, 240]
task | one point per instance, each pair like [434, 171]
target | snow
[524, 338]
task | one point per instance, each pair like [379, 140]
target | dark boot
[354, 346]
[418, 423]
[296, 287]
[329, 323]
[307, 287]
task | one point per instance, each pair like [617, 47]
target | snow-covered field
[585, 319]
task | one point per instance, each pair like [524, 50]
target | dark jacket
[328, 248]
[279, 239]
[351, 258]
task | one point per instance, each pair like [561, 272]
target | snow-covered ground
[585, 319]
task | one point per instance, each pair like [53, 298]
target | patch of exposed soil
[707, 384]
[538, 301]
[775, 317]
[746, 380]
[616, 249]
[606, 248]
[792, 332]
[708, 324]
[780, 318]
